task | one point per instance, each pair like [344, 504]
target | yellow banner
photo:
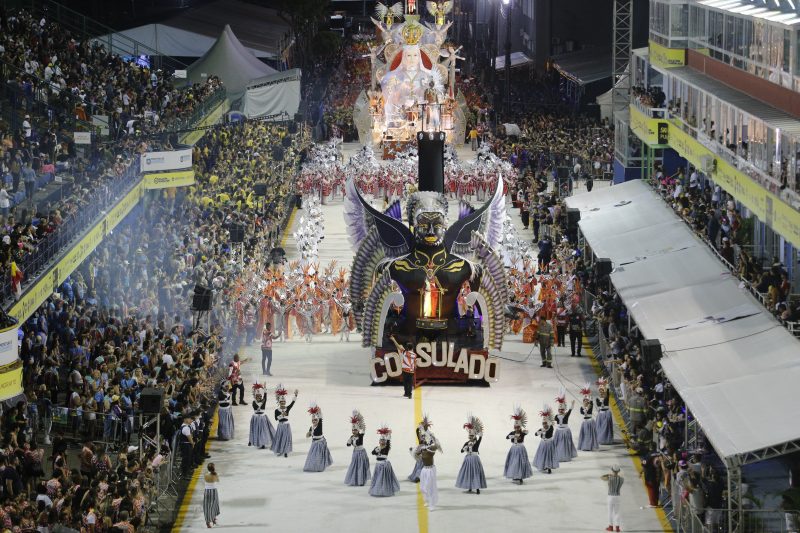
[10, 380]
[50, 281]
[661, 56]
[163, 180]
[769, 208]
[653, 131]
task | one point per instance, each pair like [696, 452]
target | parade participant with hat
[225, 427]
[282, 443]
[615, 482]
[545, 459]
[319, 457]
[384, 482]
[358, 471]
[605, 423]
[423, 427]
[587, 438]
[471, 475]
[565, 448]
[425, 452]
[517, 466]
[261, 429]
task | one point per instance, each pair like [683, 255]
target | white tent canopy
[518, 59]
[169, 41]
[732, 363]
[229, 60]
[273, 94]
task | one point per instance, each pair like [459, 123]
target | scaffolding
[621, 54]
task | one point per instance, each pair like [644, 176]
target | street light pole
[509, 7]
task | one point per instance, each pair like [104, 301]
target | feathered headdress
[384, 432]
[602, 382]
[586, 390]
[561, 399]
[315, 411]
[357, 420]
[280, 393]
[425, 422]
[257, 387]
[520, 417]
[546, 412]
[474, 426]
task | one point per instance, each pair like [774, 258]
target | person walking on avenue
[575, 319]
[261, 429]
[605, 423]
[565, 448]
[615, 482]
[384, 482]
[225, 429]
[266, 349]
[210, 496]
[471, 475]
[545, 459]
[409, 364]
[427, 478]
[282, 443]
[544, 338]
[235, 379]
[358, 472]
[517, 467]
[587, 438]
[319, 457]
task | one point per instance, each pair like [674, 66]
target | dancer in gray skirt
[587, 438]
[565, 448]
[545, 459]
[261, 430]
[384, 482]
[211, 496]
[605, 423]
[518, 468]
[282, 443]
[319, 457]
[358, 471]
[225, 427]
[471, 475]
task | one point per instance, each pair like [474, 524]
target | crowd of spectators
[714, 216]
[348, 80]
[121, 323]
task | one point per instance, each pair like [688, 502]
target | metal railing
[200, 112]
[94, 205]
[709, 520]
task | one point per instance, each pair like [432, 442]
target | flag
[16, 280]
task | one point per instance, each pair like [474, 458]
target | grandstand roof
[731, 361]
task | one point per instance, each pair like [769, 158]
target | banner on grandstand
[11, 380]
[164, 180]
[162, 161]
[9, 346]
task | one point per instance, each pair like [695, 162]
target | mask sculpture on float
[421, 267]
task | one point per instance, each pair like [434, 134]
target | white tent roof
[171, 41]
[518, 59]
[229, 60]
[732, 363]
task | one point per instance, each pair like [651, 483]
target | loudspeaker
[260, 189]
[150, 400]
[562, 173]
[573, 217]
[292, 128]
[651, 353]
[287, 141]
[201, 301]
[603, 267]
[237, 233]
[430, 147]
[277, 153]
